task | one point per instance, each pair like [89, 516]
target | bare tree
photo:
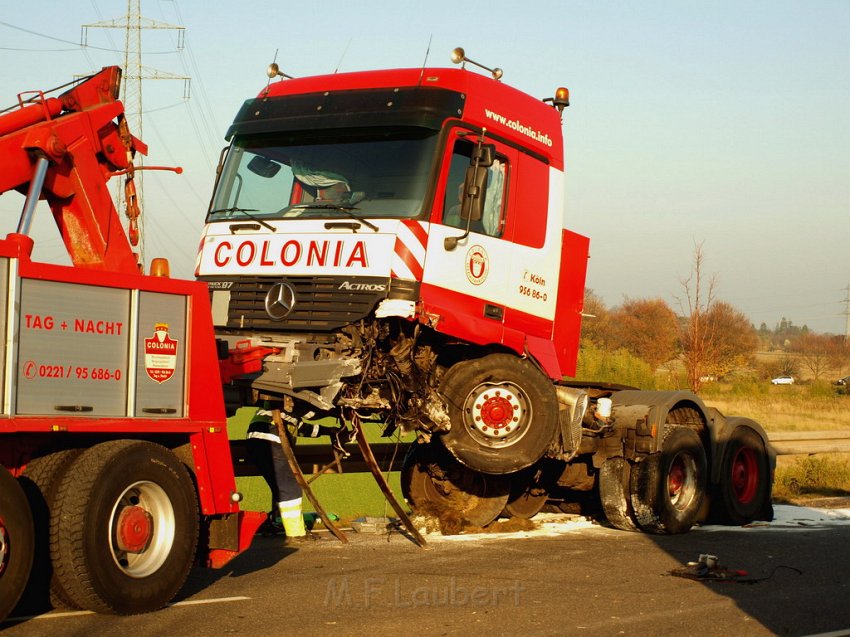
[839, 356]
[697, 332]
[816, 352]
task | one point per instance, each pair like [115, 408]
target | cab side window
[492, 220]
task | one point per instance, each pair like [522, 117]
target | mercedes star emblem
[279, 301]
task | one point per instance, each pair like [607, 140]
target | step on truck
[115, 467]
[393, 246]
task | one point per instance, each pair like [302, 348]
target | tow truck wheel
[745, 478]
[125, 527]
[16, 543]
[614, 481]
[40, 481]
[504, 413]
[529, 493]
[436, 484]
[667, 489]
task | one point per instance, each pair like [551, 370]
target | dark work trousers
[266, 453]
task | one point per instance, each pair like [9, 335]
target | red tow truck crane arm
[64, 150]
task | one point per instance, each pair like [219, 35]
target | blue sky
[720, 123]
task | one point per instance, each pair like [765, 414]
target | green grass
[348, 495]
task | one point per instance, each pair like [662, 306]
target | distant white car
[783, 380]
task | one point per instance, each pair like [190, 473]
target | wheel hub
[142, 529]
[135, 529]
[496, 412]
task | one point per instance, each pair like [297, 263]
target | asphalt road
[582, 580]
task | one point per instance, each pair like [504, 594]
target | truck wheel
[529, 493]
[504, 413]
[40, 482]
[614, 480]
[124, 529]
[667, 489]
[436, 484]
[744, 478]
[16, 542]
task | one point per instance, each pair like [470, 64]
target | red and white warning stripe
[410, 244]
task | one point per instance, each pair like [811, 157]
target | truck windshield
[328, 174]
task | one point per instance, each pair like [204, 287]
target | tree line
[709, 337]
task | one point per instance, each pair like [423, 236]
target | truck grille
[321, 303]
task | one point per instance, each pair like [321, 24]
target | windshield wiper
[247, 212]
[348, 210]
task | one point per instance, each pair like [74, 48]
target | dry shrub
[821, 475]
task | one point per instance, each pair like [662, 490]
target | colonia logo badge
[160, 354]
[477, 265]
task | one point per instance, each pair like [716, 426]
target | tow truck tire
[437, 485]
[504, 413]
[40, 481]
[745, 479]
[125, 527]
[16, 542]
[614, 481]
[668, 488]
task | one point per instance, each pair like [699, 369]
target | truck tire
[504, 413]
[40, 482]
[614, 494]
[745, 479]
[16, 542]
[668, 488]
[435, 484]
[124, 529]
[529, 492]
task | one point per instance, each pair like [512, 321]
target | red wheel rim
[676, 478]
[745, 475]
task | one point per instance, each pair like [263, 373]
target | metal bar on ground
[369, 457]
[299, 477]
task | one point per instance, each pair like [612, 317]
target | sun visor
[420, 107]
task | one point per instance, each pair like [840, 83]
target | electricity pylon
[131, 86]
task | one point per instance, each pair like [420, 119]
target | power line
[77, 45]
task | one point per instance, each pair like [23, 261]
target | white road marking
[80, 613]
[217, 600]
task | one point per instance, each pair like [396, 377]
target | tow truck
[393, 246]
[115, 467]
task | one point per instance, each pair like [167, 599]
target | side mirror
[474, 187]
